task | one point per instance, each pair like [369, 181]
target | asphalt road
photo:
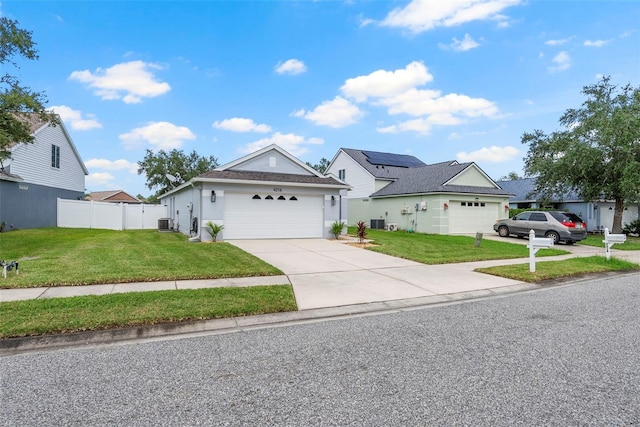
[560, 356]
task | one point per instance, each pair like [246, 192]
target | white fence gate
[112, 216]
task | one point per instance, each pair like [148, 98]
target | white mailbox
[535, 244]
[610, 240]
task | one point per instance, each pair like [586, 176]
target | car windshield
[566, 217]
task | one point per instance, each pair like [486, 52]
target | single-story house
[399, 191]
[39, 173]
[266, 194]
[113, 196]
[598, 213]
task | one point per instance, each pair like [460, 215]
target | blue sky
[441, 80]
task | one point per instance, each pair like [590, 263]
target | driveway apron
[328, 273]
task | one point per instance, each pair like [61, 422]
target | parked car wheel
[503, 231]
[553, 235]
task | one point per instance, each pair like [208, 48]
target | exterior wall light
[446, 205]
[333, 200]
[213, 196]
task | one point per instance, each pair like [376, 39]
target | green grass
[443, 249]
[632, 243]
[64, 256]
[66, 315]
[556, 269]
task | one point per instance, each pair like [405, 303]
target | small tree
[361, 231]
[214, 229]
[336, 229]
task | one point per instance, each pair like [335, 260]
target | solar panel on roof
[389, 159]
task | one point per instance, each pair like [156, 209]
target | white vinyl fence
[112, 216]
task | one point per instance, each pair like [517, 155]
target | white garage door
[471, 217]
[272, 216]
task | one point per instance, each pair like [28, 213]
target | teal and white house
[267, 194]
[399, 191]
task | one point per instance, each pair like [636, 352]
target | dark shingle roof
[380, 171]
[269, 176]
[523, 190]
[432, 179]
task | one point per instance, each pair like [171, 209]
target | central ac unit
[165, 224]
[392, 227]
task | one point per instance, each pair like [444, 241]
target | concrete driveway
[329, 273]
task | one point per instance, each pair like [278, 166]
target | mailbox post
[535, 244]
[610, 240]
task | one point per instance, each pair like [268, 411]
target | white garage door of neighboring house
[471, 217]
[272, 216]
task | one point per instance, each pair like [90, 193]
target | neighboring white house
[597, 213]
[266, 194]
[398, 190]
[38, 174]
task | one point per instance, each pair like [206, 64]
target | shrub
[632, 228]
[361, 231]
[336, 229]
[214, 229]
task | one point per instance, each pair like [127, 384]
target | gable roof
[377, 168]
[434, 178]
[272, 147]
[112, 196]
[36, 125]
[226, 173]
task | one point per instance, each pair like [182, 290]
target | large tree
[17, 103]
[166, 170]
[596, 154]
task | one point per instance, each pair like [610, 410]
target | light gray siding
[32, 162]
[362, 182]
[271, 161]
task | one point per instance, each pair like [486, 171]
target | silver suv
[560, 226]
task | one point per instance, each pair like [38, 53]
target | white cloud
[421, 126]
[336, 113]
[423, 15]
[238, 124]
[291, 67]
[595, 43]
[129, 81]
[562, 62]
[294, 144]
[99, 178]
[467, 43]
[120, 164]
[558, 42]
[382, 83]
[75, 119]
[417, 102]
[491, 154]
[160, 135]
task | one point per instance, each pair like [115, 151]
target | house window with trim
[55, 156]
[342, 173]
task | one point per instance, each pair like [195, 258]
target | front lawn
[632, 243]
[556, 269]
[87, 313]
[443, 249]
[64, 256]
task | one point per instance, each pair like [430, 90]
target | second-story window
[55, 156]
[342, 173]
